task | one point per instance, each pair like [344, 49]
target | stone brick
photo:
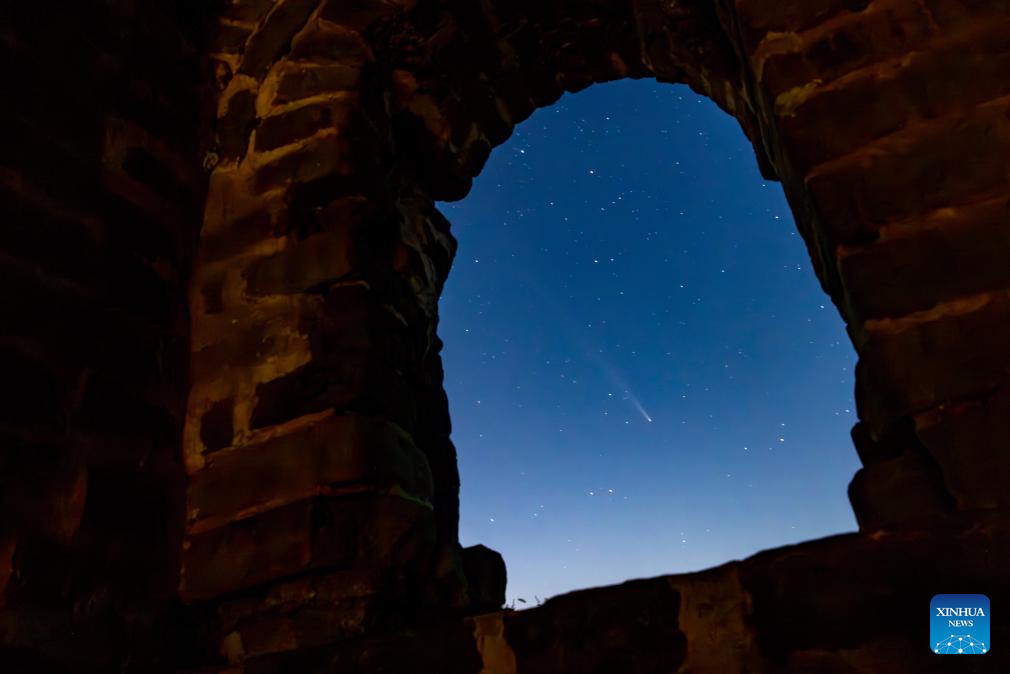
[322, 533]
[360, 381]
[333, 452]
[797, 593]
[246, 554]
[319, 590]
[903, 490]
[220, 351]
[958, 252]
[914, 368]
[867, 41]
[967, 441]
[327, 43]
[303, 628]
[276, 31]
[908, 173]
[322, 158]
[240, 233]
[426, 650]
[306, 82]
[289, 127]
[948, 78]
[628, 628]
[319, 260]
[758, 17]
[486, 579]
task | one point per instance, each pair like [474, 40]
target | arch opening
[644, 375]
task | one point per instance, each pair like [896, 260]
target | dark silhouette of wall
[223, 261]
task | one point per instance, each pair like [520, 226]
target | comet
[615, 376]
[640, 408]
[567, 321]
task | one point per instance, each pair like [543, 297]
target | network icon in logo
[959, 643]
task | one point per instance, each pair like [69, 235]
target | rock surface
[850, 603]
[224, 432]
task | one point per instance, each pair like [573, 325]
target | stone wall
[841, 605]
[101, 190]
[301, 314]
[888, 125]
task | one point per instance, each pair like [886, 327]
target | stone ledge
[848, 603]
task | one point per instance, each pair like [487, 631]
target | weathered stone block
[322, 158]
[323, 533]
[906, 489]
[289, 127]
[797, 593]
[305, 82]
[230, 342]
[486, 577]
[324, 589]
[276, 31]
[427, 649]
[958, 252]
[319, 260]
[758, 17]
[334, 452]
[867, 40]
[912, 368]
[361, 381]
[252, 551]
[323, 42]
[630, 628]
[946, 78]
[968, 442]
[909, 173]
[239, 232]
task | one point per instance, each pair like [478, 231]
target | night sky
[643, 372]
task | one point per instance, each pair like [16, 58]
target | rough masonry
[226, 444]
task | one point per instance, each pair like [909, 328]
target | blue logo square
[959, 624]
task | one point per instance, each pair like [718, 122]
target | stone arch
[337, 122]
[294, 336]
[317, 434]
[320, 495]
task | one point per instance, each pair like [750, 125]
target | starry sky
[644, 375]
